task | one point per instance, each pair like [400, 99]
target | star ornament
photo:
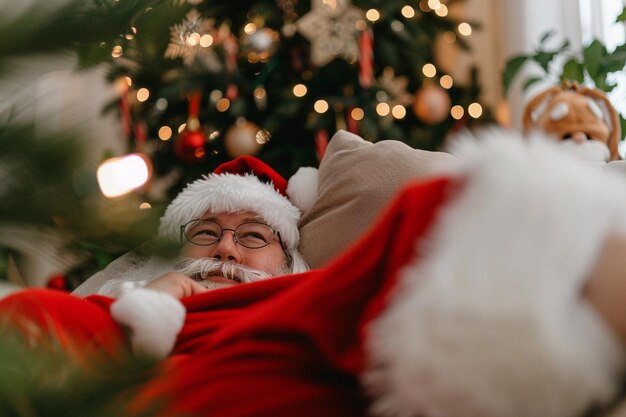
[331, 27]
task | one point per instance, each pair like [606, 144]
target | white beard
[200, 269]
[143, 271]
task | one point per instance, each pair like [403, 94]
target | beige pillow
[357, 179]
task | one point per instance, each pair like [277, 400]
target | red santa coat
[376, 329]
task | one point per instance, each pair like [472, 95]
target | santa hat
[243, 184]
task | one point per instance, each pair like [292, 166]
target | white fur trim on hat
[230, 193]
[490, 320]
[153, 318]
[302, 188]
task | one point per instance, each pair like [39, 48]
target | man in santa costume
[494, 291]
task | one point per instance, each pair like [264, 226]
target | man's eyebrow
[247, 219]
[253, 219]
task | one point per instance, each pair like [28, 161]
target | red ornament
[189, 146]
[57, 282]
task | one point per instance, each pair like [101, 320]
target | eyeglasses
[252, 235]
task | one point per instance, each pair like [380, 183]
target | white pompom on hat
[243, 184]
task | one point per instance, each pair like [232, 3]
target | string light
[145, 206]
[429, 70]
[165, 133]
[397, 26]
[360, 25]
[259, 93]
[249, 28]
[321, 106]
[424, 6]
[206, 41]
[457, 112]
[143, 94]
[382, 109]
[193, 39]
[215, 95]
[117, 51]
[398, 111]
[446, 82]
[299, 90]
[222, 104]
[372, 15]
[132, 33]
[408, 12]
[465, 29]
[475, 110]
[357, 113]
[434, 4]
[442, 10]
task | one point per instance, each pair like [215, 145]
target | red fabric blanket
[282, 347]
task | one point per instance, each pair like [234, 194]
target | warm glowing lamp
[121, 175]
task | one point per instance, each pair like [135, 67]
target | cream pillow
[357, 179]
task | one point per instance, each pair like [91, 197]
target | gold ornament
[331, 29]
[260, 44]
[244, 138]
[432, 104]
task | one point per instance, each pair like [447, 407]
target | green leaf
[622, 123]
[511, 69]
[593, 55]
[544, 58]
[622, 16]
[530, 81]
[602, 84]
[573, 70]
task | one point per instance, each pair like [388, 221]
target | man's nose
[227, 249]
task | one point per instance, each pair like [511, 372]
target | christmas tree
[205, 81]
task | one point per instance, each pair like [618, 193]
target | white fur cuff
[153, 318]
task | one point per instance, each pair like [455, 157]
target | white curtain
[580, 21]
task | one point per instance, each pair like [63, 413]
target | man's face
[269, 259]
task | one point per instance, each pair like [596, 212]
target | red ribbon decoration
[125, 116]
[366, 61]
[351, 123]
[321, 143]
[194, 98]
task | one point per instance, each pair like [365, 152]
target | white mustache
[200, 269]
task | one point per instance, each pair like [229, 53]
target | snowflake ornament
[330, 26]
[186, 39]
[395, 87]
